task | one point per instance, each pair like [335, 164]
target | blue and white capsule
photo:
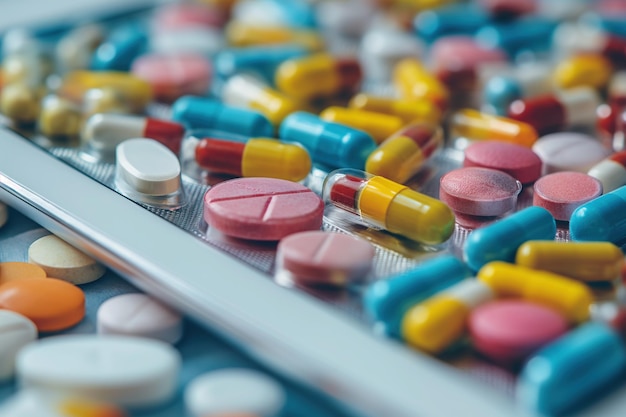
[532, 33]
[120, 49]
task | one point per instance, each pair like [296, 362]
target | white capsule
[470, 292]
[383, 48]
[193, 39]
[580, 105]
[611, 172]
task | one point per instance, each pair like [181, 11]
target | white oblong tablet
[147, 167]
[234, 391]
[63, 261]
[128, 371]
[4, 214]
[16, 331]
[139, 315]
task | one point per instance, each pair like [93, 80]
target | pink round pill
[183, 15]
[562, 192]
[510, 330]
[324, 258]
[518, 161]
[262, 208]
[463, 52]
[479, 191]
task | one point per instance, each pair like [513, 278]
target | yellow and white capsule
[241, 34]
[408, 110]
[587, 70]
[414, 81]
[380, 126]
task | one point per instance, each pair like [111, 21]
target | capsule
[572, 370]
[294, 14]
[455, 19]
[59, 118]
[379, 126]
[436, 323]
[499, 241]
[396, 208]
[104, 100]
[602, 219]
[121, 47]
[579, 38]
[330, 144]
[617, 89]
[528, 34]
[611, 172]
[74, 50]
[30, 67]
[558, 111]
[588, 70]
[382, 48]
[413, 81]
[585, 261]
[20, 103]
[241, 34]
[571, 298]
[318, 76]
[103, 132]
[258, 157]
[408, 110]
[402, 155]
[388, 300]
[205, 113]
[474, 125]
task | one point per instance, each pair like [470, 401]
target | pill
[387, 301]
[474, 125]
[590, 70]
[16, 331]
[408, 110]
[414, 81]
[479, 191]
[240, 34]
[104, 100]
[394, 207]
[28, 67]
[382, 48]
[59, 118]
[103, 132]
[518, 161]
[52, 304]
[275, 12]
[11, 271]
[318, 76]
[509, 331]
[617, 89]
[262, 208]
[74, 50]
[455, 19]
[571, 38]
[462, 54]
[20, 103]
[29, 402]
[146, 166]
[174, 75]
[171, 16]
[506, 9]
[436, 323]
[531, 33]
[120, 48]
[601, 219]
[63, 261]
[257, 157]
[379, 126]
[129, 371]
[4, 214]
[571, 298]
[500, 240]
[404, 153]
[586, 261]
[330, 144]
[562, 192]
[324, 258]
[235, 390]
[205, 113]
[190, 39]
[611, 172]
[569, 151]
[139, 315]
[572, 370]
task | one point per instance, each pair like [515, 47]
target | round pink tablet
[562, 192]
[511, 330]
[518, 161]
[324, 258]
[479, 191]
[262, 208]
[183, 15]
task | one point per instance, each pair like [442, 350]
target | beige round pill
[59, 118]
[20, 103]
[4, 214]
[61, 260]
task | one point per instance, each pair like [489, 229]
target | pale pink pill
[562, 192]
[463, 52]
[569, 151]
[518, 161]
[324, 258]
[262, 208]
[187, 14]
[479, 191]
[511, 330]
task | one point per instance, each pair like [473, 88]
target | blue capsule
[499, 241]
[458, 19]
[120, 49]
[330, 144]
[388, 300]
[206, 113]
[572, 370]
[526, 34]
[601, 219]
[500, 92]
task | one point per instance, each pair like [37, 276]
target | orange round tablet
[52, 304]
[10, 271]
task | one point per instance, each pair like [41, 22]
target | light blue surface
[601, 219]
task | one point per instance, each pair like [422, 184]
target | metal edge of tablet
[285, 329]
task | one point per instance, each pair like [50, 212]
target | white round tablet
[139, 315]
[147, 166]
[4, 214]
[128, 371]
[16, 331]
[234, 391]
[63, 261]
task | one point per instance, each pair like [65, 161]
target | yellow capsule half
[474, 125]
[408, 110]
[588, 70]
[414, 81]
[379, 126]
[242, 35]
[273, 159]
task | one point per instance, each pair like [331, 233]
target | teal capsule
[499, 241]
[602, 219]
[387, 301]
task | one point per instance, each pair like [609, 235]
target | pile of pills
[527, 98]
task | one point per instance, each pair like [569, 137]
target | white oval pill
[128, 371]
[569, 151]
[147, 167]
[63, 261]
[16, 331]
[234, 391]
[4, 214]
[139, 315]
